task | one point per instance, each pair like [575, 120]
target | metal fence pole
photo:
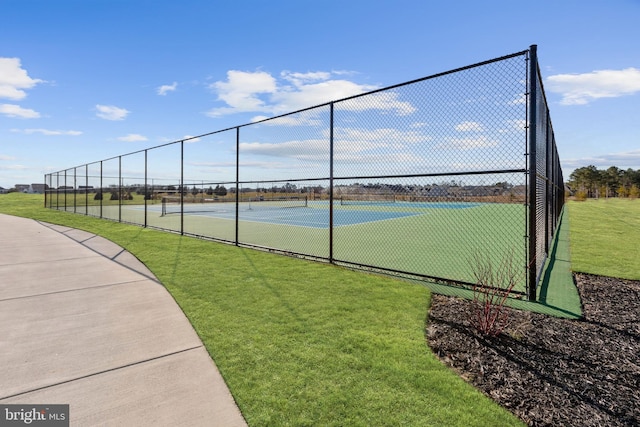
[65, 189]
[237, 219]
[182, 187]
[57, 190]
[331, 184]
[75, 193]
[101, 189]
[533, 121]
[146, 188]
[86, 189]
[119, 188]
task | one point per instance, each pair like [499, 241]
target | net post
[533, 120]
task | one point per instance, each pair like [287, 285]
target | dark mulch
[549, 371]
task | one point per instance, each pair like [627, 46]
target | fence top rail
[433, 76]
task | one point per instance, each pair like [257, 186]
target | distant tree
[612, 180]
[220, 190]
[289, 188]
[194, 191]
[634, 192]
[589, 181]
[98, 196]
[623, 191]
[209, 191]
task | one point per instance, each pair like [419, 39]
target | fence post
[182, 187]
[119, 188]
[146, 188]
[101, 189]
[86, 189]
[533, 121]
[75, 192]
[57, 190]
[237, 182]
[331, 183]
[65, 190]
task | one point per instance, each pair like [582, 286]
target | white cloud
[307, 95]
[48, 132]
[241, 91]
[162, 90]
[260, 92]
[189, 139]
[15, 167]
[623, 160]
[469, 143]
[133, 137]
[300, 79]
[110, 112]
[6, 158]
[520, 100]
[469, 127]
[12, 110]
[579, 89]
[383, 145]
[14, 79]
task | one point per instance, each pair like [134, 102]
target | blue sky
[84, 80]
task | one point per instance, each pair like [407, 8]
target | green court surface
[557, 293]
[433, 240]
[437, 240]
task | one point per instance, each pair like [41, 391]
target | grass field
[605, 237]
[300, 343]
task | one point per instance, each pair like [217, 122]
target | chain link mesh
[415, 179]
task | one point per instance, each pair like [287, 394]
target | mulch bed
[550, 371]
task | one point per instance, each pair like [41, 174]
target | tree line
[589, 181]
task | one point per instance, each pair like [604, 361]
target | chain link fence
[414, 179]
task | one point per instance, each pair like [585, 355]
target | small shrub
[493, 286]
[581, 195]
[623, 191]
[634, 192]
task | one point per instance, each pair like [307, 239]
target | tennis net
[188, 205]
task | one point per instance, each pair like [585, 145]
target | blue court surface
[316, 215]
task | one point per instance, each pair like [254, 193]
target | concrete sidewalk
[85, 323]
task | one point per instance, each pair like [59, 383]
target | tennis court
[301, 213]
[437, 239]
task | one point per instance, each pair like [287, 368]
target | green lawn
[300, 343]
[605, 237]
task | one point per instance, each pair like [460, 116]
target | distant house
[38, 188]
[438, 191]
[31, 188]
[22, 188]
[3, 190]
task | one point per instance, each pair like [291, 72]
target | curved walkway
[85, 323]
